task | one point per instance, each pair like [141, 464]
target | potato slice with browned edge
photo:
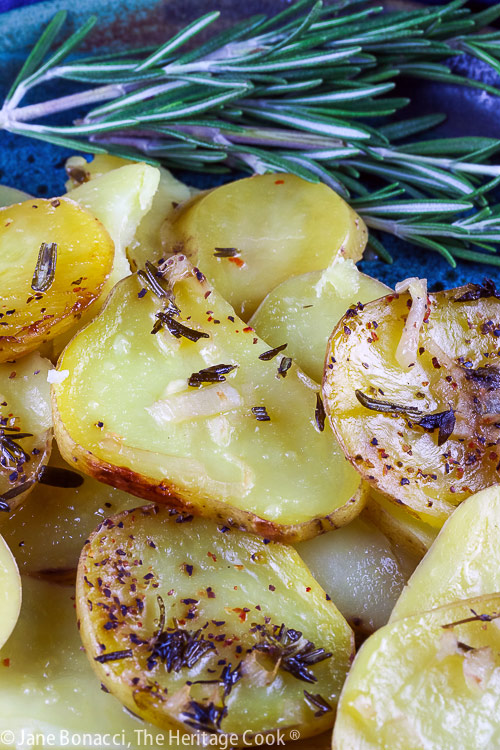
[49, 694]
[303, 311]
[36, 301]
[25, 428]
[208, 628]
[10, 591]
[413, 395]
[400, 527]
[198, 416]
[250, 235]
[49, 530]
[463, 562]
[428, 681]
[359, 570]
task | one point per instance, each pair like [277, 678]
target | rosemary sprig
[296, 92]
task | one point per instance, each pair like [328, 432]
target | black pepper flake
[189, 601]
[271, 353]
[284, 366]
[404, 481]
[142, 293]
[188, 568]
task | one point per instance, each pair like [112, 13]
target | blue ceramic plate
[38, 167]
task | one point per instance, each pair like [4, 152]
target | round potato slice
[209, 629]
[54, 260]
[250, 235]
[303, 311]
[25, 428]
[428, 681]
[10, 592]
[413, 395]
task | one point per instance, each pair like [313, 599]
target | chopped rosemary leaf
[205, 718]
[10, 451]
[156, 282]
[225, 252]
[271, 353]
[15, 492]
[294, 653]
[478, 291]
[485, 377]
[213, 374]
[114, 656]
[475, 618]
[284, 366]
[443, 420]
[319, 413]
[261, 414]
[318, 702]
[45, 269]
[176, 328]
[376, 404]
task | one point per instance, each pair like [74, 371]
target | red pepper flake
[435, 363]
[237, 262]
[271, 587]
[242, 613]
[248, 329]
[12, 375]
[171, 592]
[279, 182]
[211, 554]
[308, 588]
[207, 294]
[210, 593]
[6, 662]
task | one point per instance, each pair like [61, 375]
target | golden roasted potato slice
[250, 235]
[49, 694]
[400, 527]
[146, 244]
[48, 532]
[303, 310]
[44, 291]
[10, 591]
[209, 628]
[413, 395]
[359, 570]
[9, 195]
[463, 562]
[428, 681]
[198, 415]
[25, 428]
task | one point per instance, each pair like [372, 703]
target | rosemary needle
[297, 92]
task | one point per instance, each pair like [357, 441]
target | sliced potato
[48, 532]
[399, 526]
[49, 695]
[26, 428]
[303, 310]
[204, 627]
[358, 569]
[272, 226]
[141, 427]
[428, 681]
[84, 258]
[145, 244]
[415, 410]
[10, 195]
[463, 562]
[10, 592]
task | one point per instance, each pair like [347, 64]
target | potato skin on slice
[427, 681]
[454, 377]
[151, 580]
[25, 428]
[250, 235]
[84, 258]
[205, 448]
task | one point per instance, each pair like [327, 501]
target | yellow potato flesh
[139, 426]
[279, 224]
[463, 562]
[48, 691]
[394, 454]
[10, 592]
[236, 589]
[358, 569]
[403, 529]
[303, 311]
[419, 683]
[24, 410]
[48, 532]
[84, 258]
